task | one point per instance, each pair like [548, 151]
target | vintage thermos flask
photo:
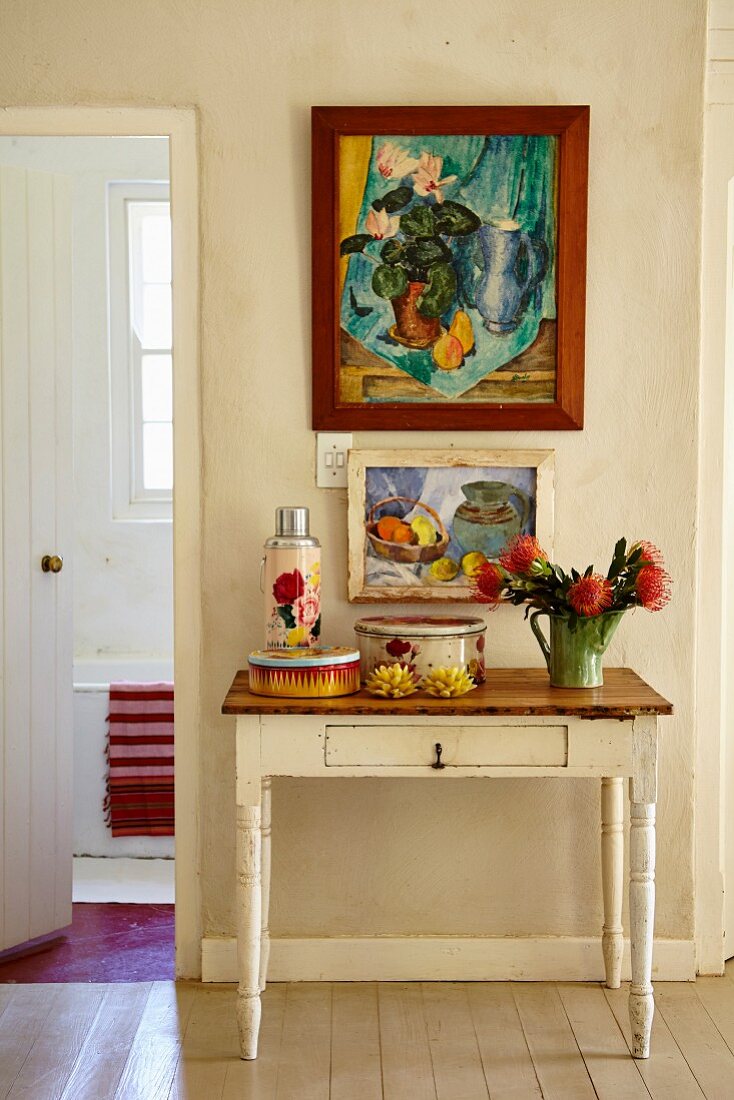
[291, 582]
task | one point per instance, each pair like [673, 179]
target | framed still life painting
[422, 522]
[449, 267]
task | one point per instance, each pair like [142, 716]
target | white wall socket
[331, 459]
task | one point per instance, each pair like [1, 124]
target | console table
[513, 725]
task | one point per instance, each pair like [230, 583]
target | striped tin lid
[303, 657]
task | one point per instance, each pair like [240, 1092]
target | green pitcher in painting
[574, 656]
[492, 514]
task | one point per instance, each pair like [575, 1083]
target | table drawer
[462, 746]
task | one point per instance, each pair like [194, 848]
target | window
[141, 358]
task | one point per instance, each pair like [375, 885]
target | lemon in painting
[445, 569]
[424, 531]
[471, 563]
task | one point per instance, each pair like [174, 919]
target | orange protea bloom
[653, 587]
[590, 595]
[487, 583]
[520, 553]
[650, 553]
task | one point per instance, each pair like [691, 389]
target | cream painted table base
[515, 725]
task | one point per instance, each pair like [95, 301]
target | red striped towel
[140, 779]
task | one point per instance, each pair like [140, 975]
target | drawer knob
[439, 749]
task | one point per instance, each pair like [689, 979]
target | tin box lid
[303, 657]
[419, 626]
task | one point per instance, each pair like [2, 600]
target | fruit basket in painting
[420, 541]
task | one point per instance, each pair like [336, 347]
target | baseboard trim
[442, 958]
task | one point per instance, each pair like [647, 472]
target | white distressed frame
[543, 461]
[179, 125]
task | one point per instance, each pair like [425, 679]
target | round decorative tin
[422, 642]
[305, 672]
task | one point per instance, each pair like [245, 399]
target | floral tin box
[423, 642]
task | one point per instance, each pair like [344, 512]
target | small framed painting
[422, 522]
[449, 267]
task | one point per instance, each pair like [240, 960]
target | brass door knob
[52, 563]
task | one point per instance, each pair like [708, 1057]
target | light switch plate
[331, 459]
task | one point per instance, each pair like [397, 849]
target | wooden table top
[507, 691]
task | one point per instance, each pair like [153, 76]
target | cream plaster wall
[507, 857]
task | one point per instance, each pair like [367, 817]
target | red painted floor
[105, 943]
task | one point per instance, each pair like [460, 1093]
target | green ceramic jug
[574, 657]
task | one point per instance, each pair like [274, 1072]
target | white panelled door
[36, 644]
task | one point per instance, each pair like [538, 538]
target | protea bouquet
[637, 577]
[584, 608]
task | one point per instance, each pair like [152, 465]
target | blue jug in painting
[492, 514]
[514, 264]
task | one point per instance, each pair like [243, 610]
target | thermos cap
[291, 522]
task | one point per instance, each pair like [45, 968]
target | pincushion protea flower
[590, 595]
[521, 554]
[636, 578]
[487, 583]
[653, 587]
[650, 553]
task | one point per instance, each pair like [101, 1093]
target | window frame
[129, 499]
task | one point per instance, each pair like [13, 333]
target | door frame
[179, 125]
[714, 717]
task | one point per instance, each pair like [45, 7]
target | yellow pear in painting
[447, 352]
[461, 328]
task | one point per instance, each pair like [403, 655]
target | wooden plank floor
[391, 1041]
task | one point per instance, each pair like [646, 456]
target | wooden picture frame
[469, 501]
[491, 269]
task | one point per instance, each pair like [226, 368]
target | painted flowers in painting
[414, 269]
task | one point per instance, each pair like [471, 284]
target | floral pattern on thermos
[293, 617]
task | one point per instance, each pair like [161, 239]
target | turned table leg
[249, 928]
[643, 796]
[642, 920]
[249, 884]
[265, 833]
[612, 872]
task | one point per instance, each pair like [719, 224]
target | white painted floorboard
[364, 1041]
[123, 880]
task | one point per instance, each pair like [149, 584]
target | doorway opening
[107, 211]
[110, 262]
